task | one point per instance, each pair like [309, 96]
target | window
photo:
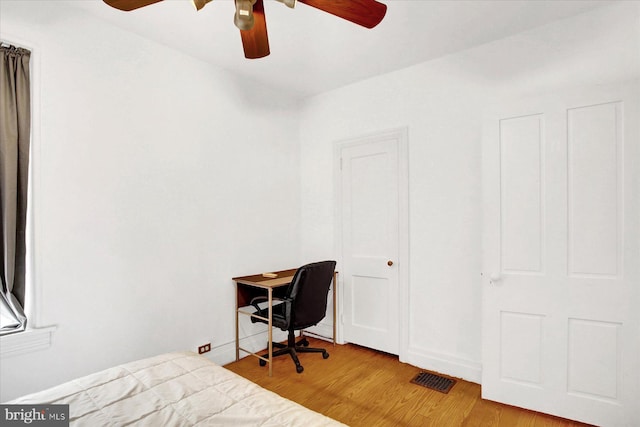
[15, 139]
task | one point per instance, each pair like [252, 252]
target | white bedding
[174, 389]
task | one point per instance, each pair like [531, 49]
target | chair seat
[278, 316]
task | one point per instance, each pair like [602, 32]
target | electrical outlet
[204, 348]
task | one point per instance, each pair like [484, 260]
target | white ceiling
[312, 51]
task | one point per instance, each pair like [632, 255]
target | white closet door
[561, 329]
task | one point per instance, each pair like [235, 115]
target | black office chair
[303, 306]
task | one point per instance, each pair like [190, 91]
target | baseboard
[323, 331]
[256, 341]
[226, 353]
[466, 369]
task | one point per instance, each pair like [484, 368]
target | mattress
[174, 389]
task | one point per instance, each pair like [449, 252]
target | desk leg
[237, 327]
[270, 344]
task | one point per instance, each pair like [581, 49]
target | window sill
[26, 341]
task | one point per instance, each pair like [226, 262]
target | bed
[174, 389]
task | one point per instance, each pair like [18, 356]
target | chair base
[292, 348]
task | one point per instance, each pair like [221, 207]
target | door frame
[401, 136]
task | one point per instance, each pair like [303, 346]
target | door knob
[389, 263]
[495, 277]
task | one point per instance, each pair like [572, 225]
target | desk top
[281, 278]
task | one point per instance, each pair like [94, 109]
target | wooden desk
[248, 287]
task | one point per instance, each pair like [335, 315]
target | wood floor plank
[363, 387]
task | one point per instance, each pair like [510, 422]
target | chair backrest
[308, 293]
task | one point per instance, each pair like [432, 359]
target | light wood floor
[362, 387]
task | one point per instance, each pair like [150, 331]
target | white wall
[158, 178]
[441, 103]
[151, 190]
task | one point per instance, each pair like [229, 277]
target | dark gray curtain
[15, 126]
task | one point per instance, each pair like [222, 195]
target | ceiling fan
[250, 19]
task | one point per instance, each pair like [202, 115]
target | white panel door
[370, 227]
[561, 329]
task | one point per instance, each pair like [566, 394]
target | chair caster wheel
[304, 343]
[299, 369]
[325, 355]
[262, 362]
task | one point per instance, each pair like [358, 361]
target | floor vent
[434, 382]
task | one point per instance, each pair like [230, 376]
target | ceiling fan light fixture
[243, 18]
[199, 4]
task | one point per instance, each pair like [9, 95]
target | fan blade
[199, 4]
[255, 40]
[129, 5]
[367, 13]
